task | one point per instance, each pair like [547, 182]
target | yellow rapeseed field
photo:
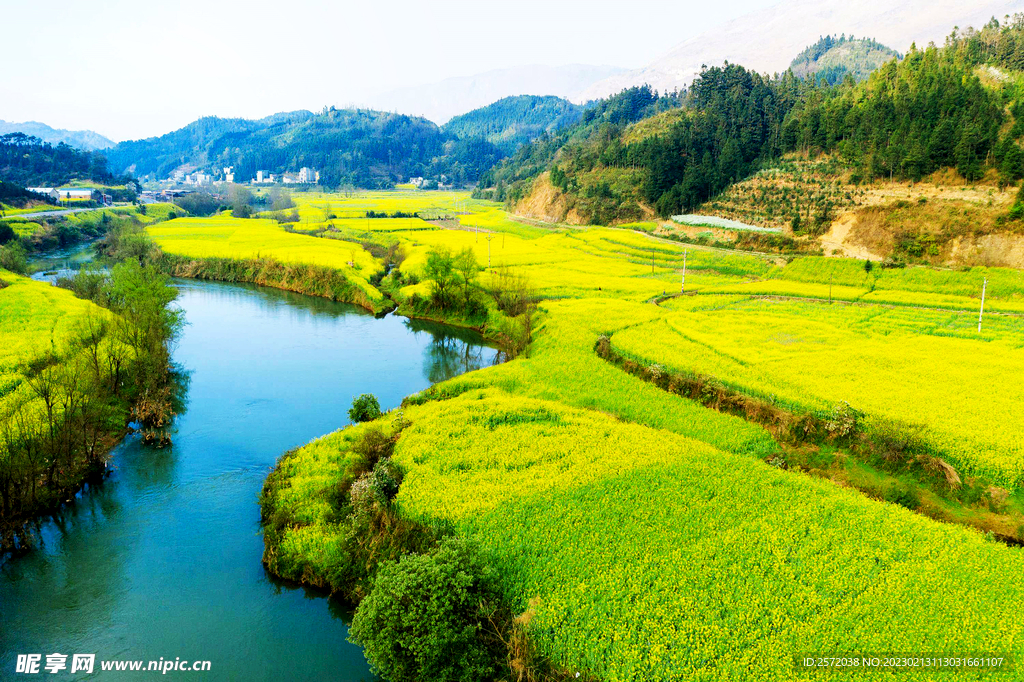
[650, 532]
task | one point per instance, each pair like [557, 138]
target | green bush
[385, 480]
[12, 257]
[365, 408]
[6, 233]
[428, 618]
[905, 496]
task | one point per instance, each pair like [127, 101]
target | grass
[11, 211]
[36, 320]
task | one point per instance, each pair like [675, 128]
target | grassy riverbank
[38, 234]
[73, 375]
[642, 531]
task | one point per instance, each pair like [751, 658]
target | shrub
[6, 233]
[87, 284]
[365, 408]
[385, 480]
[440, 270]
[514, 334]
[198, 203]
[427, 618]
[512, 291]
[12, 257]
[128, 242]
[898, 441]
[373, 446]
[841, 421]
[904, 495]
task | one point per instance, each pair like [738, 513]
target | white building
[48, 192]
[308, 176]
[229, 173]
[84, 194]
[198, 178]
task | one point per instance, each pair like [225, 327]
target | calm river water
[163, 560]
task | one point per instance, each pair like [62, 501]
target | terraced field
[914, 367]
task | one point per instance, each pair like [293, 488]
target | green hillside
[510, 180]
[514, 121]
[936, 108]
[831, 59]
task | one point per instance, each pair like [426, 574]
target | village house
[48, 192]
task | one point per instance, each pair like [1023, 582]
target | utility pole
[984, 286]
[830, 289]
[682, 285]
[489, 238]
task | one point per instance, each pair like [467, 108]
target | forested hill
[196, 144]
[603, 120]
[514, 121]
[831, 59]
[358, 147]
[953, 106]
[30, 162]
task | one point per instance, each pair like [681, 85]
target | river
[163, 559]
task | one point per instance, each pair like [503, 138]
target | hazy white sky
[130, 69]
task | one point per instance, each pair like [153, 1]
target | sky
[132, 69]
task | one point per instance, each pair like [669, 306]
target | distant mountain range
[348, 146]
[362, 147]
[455, 126]
[767, 40]
[82, 139]
[453, 96]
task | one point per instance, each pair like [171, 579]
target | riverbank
[501, 458]
[73, 376]
[312, 280]
[178, 526]
[38, 234]
[329, 283]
